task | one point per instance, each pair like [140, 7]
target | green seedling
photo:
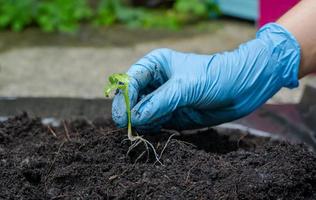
[121, 81]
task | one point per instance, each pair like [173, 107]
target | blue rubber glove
[184, 91]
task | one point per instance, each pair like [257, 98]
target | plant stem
[128, 110]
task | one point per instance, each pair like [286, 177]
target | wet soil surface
[89, 161]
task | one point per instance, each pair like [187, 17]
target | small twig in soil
[116, 130]
[241, 138]
[52, 164]
[147, 152]
[104, 132]
[118, 176]
[51, 131]
[181, 142]
[113, 177]
[188, 174]
[66, 131]
[54, 160]
[187, 190]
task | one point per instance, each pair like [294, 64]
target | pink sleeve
[271, 10]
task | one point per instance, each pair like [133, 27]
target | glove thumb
[158, 104]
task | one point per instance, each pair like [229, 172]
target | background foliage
[66, 15]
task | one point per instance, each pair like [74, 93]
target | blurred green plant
[106, 12]
[114, 11]
[17, 14]
[62, 15]
[196, 9]
[183, 11]
[66, 15]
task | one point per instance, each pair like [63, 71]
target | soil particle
[92, 164]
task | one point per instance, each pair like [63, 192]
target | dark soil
[92, 164]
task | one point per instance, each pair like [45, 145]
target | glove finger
[151, 70]
[161, 102]
[144, 130]
[154, 127]
[119, 113]
[187, 118]
[145, 76]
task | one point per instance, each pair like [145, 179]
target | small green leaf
[119, 78]
[120, 81]
[109, 88]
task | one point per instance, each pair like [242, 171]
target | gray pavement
[81, 71]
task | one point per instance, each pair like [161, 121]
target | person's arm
[300, 21]
[170, 89]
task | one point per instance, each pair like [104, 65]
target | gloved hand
[184, 91]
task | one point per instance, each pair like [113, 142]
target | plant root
[139, 157]
[66, 131]
[134, 145]
[136, 140]
[168, 141]
[51, 131]
[164, 148]
[153, 148]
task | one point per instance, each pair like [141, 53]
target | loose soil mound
[92, 164]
